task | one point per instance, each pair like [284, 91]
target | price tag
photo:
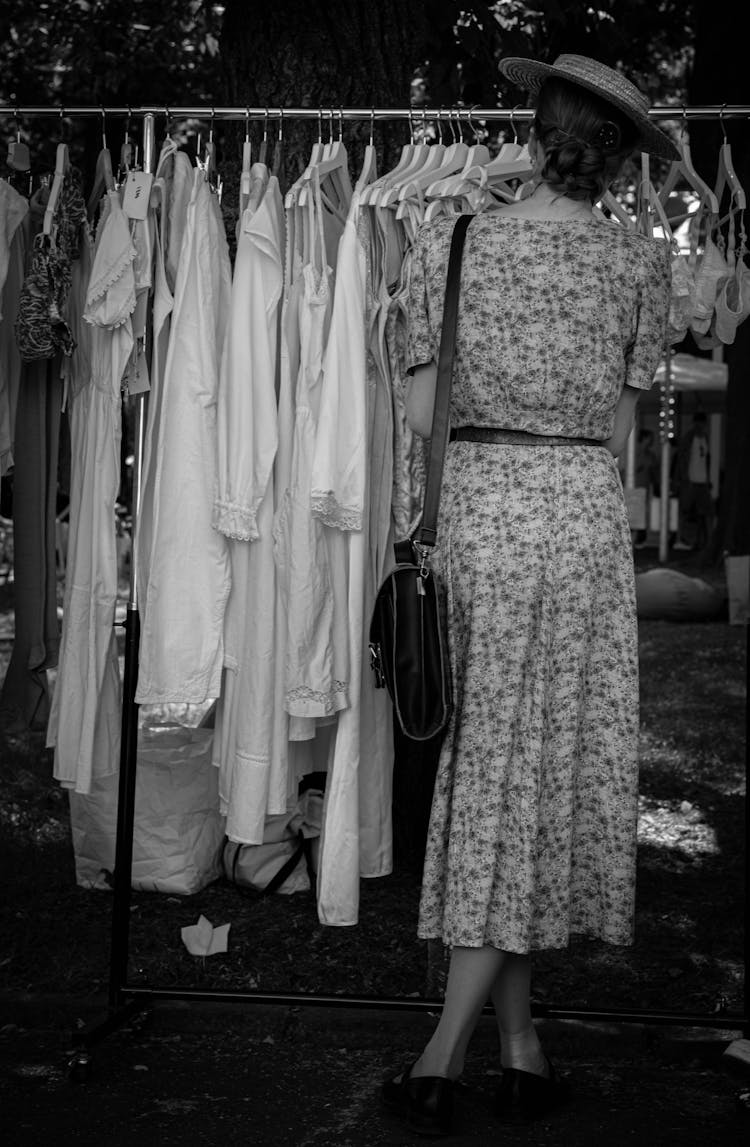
[135, 199]
[139, 382]
[18, 156]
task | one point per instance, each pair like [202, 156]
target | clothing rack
[658, 112]
[125, 1001]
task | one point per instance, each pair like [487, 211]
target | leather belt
[491, 434]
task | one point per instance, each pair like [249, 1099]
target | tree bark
[323, 54]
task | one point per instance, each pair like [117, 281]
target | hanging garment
[13, 210]
[161, 311]
[42, 328]
[243, 512]
[25, 699]
[409, 457]
[311, 564]
[178, 173]
[84, 725]
[183, 602]
[14, 234]
[356, 836]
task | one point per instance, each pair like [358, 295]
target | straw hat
[604, 82]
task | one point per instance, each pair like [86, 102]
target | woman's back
[555, 316]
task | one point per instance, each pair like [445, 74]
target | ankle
[435, 1063]
[522, 1051]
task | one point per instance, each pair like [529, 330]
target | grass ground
[688, 951]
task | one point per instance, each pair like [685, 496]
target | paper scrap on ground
[202, 939]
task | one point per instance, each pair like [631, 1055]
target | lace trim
[235, 521]
[98, 290]
[306, 702]
[331, 513]
[110, 326]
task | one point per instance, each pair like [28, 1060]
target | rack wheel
[79, 1067]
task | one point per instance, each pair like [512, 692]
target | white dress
[243, 511]
[182, 646]
[356, 836]
[84, 723]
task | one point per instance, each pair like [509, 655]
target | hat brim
[531, 74]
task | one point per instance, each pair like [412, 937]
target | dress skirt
[533, 827]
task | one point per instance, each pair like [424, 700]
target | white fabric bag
[178, 829]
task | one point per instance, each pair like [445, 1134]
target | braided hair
[585, 139]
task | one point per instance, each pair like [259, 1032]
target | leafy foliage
[93, 51]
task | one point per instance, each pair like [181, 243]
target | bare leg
[472, 973]
[511, 998]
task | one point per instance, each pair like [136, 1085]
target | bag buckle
[376, 664]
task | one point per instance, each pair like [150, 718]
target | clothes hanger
[372, 192]
[479, 165]
[651, 207]
[334, 166]
[126, 153]
[682, 170]
[726, 176]
[19, 158]
[612, 204]
[426, 157]
[247, 159]
[438, 159]
[104, 179]
[62, 166]
[263, 153]
[316, 155]
[278, 151]
[370, 162]
[454, 161]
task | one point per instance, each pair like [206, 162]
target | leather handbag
[408, 643]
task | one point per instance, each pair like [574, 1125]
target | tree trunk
[719, 76]
[327, 55]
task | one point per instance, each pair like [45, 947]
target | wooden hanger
[683, 170]
[104, 179]
[612, 204]
[651, 205]
[726, 176]
[62, 166]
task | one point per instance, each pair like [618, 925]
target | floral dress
[533, 828]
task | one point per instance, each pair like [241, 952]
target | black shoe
[523, 1096]
[426, 1102]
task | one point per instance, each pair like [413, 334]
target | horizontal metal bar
[659, 111]
[724, 1022]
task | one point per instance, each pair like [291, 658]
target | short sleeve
[650, 339]
[420, 347]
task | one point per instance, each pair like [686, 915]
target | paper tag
[18, 156]
[139, 381]
[135, 199]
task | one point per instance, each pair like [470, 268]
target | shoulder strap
[427, 532]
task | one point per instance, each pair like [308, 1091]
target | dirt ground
[282, 1077]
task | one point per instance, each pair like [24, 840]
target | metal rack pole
[658, 112]
[129, 728]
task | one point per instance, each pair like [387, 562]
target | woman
[561, 326]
